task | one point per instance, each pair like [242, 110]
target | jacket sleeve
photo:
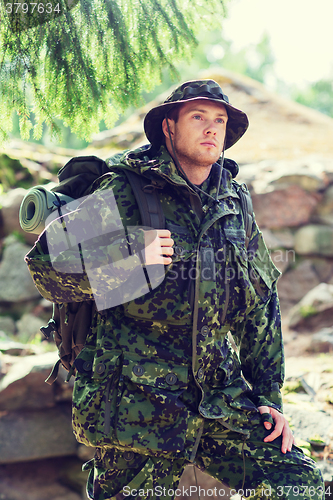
[89, 251]
[260, 338]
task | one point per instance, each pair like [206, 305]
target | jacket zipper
[227, 294]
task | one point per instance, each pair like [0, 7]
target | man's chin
[209, 159]
[200, 159]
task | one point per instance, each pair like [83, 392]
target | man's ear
[165, 127]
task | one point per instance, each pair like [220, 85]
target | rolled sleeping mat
[37, 205]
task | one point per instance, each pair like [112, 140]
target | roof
[279, 128]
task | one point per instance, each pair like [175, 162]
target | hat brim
[236, 126]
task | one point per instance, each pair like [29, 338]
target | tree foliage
[83, 61]
[256, 60]
[317, 95]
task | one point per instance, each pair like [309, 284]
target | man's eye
[220, 120]
[197, 117]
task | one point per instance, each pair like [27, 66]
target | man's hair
[173, 114]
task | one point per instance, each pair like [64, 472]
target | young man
[158, 384]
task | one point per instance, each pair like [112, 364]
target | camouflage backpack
[71, 322]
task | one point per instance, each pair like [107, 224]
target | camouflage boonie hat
[194, 90]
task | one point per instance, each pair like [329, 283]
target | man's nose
[211, 128]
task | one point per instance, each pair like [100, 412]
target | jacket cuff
[263, 397]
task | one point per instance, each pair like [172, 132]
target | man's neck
[197, 175]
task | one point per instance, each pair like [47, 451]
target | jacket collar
[159, 164]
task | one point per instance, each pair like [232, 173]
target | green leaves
[92, 60]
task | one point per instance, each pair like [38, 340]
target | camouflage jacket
[156, 366]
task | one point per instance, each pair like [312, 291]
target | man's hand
[158, 247]
[281, 428]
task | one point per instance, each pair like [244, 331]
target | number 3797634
[32, 8]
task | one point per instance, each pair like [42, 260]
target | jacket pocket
[94, 394]
[254, 273]
[262, 271]
[104, 475]
[151, 415]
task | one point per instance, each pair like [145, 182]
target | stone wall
[293, 203]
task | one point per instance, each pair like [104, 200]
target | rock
[315, 310]
[13, 172]
[314, 239]
[46, 304]
[296, 282]
[28, 326]
[85, 453]
[324, 209]
[283, 238]
[120, 137]
[249, 172]
[308, 421]
[10, 205]
[13, 348]
[315, 370]
[305, 181]
[308, 173]
[7, 325]
[281, 208]
[323, 268]
[38, 480]
[37, 434]
[15, 279]
[24, 387]
[322, 341]
[73, 476]
[286, 237]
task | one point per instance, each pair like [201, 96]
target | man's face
[199, 133]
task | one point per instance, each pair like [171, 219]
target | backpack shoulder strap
[247, 210]
[147, 199]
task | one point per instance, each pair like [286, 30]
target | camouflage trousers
[248, 466]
